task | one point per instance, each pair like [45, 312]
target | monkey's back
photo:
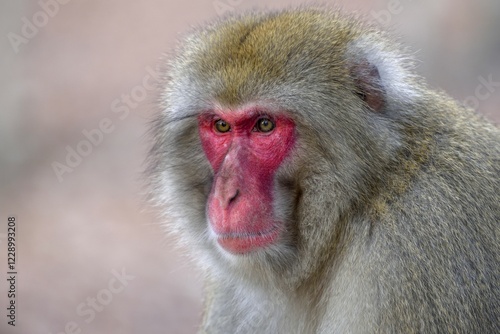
[438, 244]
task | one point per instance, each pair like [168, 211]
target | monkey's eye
[222, 126]
[264, 125]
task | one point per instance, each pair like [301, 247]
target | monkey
[321, 184]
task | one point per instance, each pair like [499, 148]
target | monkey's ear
[382, 74]
[368, 84]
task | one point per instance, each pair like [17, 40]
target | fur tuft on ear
[368, 87]
[380, 74]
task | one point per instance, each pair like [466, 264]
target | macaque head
[271, 128]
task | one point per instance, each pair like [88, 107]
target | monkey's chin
[241, 244]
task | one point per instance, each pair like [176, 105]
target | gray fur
[392, 216]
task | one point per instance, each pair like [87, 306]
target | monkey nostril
[233, 198]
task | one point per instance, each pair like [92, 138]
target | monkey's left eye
[222, 126]
[264, 125]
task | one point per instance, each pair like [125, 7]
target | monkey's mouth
[243, 243]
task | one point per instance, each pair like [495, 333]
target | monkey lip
[243, 243]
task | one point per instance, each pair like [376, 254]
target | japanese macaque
[322, 186]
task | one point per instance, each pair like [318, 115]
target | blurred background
[77, 76]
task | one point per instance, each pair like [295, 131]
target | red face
[245, 148]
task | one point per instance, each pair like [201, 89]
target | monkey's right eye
[222, 126]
